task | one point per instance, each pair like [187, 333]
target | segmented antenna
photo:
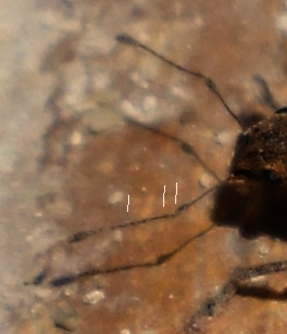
[209, 83]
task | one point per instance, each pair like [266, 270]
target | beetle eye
[281, 110]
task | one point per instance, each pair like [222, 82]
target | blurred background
[75, 105]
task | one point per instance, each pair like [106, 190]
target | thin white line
[163, 196]
[128, 203]
[176, 192]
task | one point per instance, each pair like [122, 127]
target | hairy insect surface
[251, 198]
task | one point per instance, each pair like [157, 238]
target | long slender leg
[209, 82]
[236, 285]
[157, 262]
[79, 236]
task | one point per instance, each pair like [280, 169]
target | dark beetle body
[261, 151]
[254, 197]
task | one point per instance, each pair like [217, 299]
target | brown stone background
[69, 159]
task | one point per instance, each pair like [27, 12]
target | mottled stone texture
[85, 99]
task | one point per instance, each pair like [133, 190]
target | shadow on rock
[255, 208]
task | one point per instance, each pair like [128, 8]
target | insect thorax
[261, 151]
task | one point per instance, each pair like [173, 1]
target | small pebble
[205, 181]
[223, 138]
[93, 297]
[76, 138]
[125, 331]
[116, 197]
[118, 236]
[71, 289]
